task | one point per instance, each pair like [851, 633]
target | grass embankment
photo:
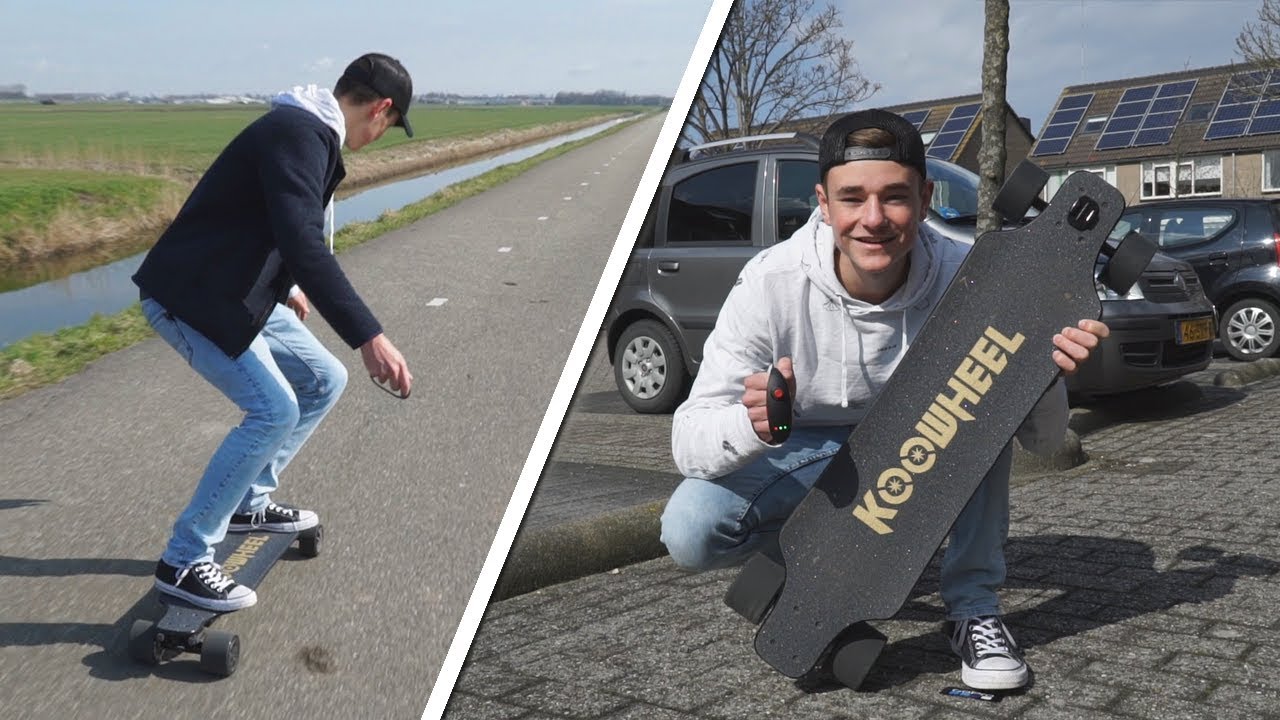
[92, 181]
[48, 358]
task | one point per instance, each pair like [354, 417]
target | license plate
[1195, 331]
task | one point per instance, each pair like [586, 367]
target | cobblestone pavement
[1143, 585]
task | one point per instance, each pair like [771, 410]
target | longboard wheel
[752, 593]
[309, 541]
[1020, 191]
[220, 652]
[143, 646]
[1127, 263]
[856, 651]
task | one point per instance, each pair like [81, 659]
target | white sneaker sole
[227, 605]
[994, 679]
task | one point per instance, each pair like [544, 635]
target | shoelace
[261, 516]
[210, 574]
[988, 637]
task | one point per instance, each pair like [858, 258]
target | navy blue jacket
[252, 228]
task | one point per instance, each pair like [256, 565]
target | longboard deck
[247, 557]
[859, 541]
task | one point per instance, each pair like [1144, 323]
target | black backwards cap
[385, 75]
[908, 148]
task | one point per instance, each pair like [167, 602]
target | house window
[928, 137]
[1058, 177]
[1094, 124]
[1199, 112]
[1271, 171]
[1185, 178]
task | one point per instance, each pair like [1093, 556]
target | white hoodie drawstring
[844, 366]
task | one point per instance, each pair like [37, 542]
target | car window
[1127, 223]
[714, 206]
[1187, 226]
[955, 191]
[796, 195]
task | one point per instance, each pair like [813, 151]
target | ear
[926, 199]
[822, 202]
[380, 107]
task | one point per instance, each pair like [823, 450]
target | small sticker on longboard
[970, 694]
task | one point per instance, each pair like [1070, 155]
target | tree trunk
[991, 156]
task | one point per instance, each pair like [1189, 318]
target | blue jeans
[286, 382]
[709, 524]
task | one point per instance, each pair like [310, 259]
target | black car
[1234, 246]
[713, 213]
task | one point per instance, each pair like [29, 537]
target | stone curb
[546, 556]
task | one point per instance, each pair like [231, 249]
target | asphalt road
[94, 470]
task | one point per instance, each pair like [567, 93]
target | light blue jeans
[286, 382]
[710, 524]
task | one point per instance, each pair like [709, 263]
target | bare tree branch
[1259, 43]
[777, 61]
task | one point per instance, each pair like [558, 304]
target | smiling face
[874, 208]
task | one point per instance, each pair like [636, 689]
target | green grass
[48, 358]
[186, 138]
[30, 198]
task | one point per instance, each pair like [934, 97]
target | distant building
[1208, 132]
[951, 129]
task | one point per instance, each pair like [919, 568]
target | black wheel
[854, 653]
[1127, 262]
[1020, 191]
[142, 643]
[752, 593]
[649, 368]
[309, 541]
[1250, 329]
[220, 652]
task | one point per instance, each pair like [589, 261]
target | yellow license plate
[1195, 331]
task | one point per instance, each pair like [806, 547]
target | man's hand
[754, 397]
[1073, 345]
[298, 304]
[385, 364]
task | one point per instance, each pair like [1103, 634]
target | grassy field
[90, 179]
[184, 139]
[47, 358]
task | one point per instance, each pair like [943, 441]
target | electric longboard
[860, 539]
[185, 628]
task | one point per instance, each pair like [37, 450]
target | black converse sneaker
[204, 585]
[274, 518]
[990, 658]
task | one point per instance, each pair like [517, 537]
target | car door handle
[668, 266]
[1218, 258]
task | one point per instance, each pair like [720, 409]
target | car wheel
[1250, 329]
[649, 368]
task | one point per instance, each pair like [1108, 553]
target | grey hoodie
[788, 302]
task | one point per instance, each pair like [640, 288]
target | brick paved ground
[1143, 584]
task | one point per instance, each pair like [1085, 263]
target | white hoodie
[319, 102]
[788, 302]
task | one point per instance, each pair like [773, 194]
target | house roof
[1187, 137]
[935, 114]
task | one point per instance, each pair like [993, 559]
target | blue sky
[938, 52]
[496, 46]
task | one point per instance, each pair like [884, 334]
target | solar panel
[953, 131]
[916, 117]
[1248, 106]
[1062, 125]
[1146, 115]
